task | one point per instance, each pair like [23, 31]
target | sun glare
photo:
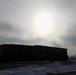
[43, 23]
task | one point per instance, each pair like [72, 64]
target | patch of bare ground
[70, 73]
[67, 62]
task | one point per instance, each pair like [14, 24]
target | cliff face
[11, 53]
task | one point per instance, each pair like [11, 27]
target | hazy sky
[16, 25]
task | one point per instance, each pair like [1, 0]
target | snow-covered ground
[55, 67]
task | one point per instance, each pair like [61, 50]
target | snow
[55, 64]
[55, 67]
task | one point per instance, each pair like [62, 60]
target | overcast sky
[16, 23]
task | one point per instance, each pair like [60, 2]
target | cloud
[7, 29]
[70, 36]
[30, 41]
[56, 44]
[4, 26]
[11, 34]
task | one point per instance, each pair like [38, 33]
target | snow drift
[55, 67]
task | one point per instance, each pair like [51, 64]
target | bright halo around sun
[43, 23]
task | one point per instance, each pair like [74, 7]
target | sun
[43, 23]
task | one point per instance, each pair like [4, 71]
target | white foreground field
[53, 68]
